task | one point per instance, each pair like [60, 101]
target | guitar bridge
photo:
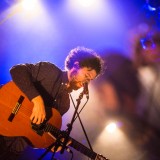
[16, 108]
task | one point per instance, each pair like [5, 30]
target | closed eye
[88, 76]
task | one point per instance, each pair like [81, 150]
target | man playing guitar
[46, 86]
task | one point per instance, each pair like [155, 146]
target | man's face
[80, 76]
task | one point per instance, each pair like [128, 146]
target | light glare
[86, 3]
[29, 5]
[111, 127]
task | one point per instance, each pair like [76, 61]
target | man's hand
[38, 113]
[60, 147]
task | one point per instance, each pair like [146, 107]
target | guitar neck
[75, 144]
[83, 149]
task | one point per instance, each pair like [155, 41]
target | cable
[72, 156]
[82, 123]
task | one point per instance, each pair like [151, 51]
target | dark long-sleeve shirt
[43, 79]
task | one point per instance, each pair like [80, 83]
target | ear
[76, 65]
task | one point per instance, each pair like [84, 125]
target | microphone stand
[70, 125]
[78, 116]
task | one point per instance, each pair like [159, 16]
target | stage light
[150, 8]
[29, 5]
[86, 6]
[111, 127]
[86, 3]
[153, 5]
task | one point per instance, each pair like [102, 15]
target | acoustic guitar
[15, 111]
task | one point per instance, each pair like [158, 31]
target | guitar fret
[83, 149]
[54, 130]
[46, 129]
[50, 127]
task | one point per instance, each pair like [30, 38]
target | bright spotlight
[29, 5]
[86, 6]
[111, 127]
[86, 3]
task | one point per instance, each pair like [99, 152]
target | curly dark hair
[86, 58]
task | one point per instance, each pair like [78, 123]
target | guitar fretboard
[83, 149]
[75, 144]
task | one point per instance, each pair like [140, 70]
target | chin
[76, 88]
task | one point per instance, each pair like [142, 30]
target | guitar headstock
[100, 157]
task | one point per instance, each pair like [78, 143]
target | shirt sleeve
[64, 104]
[25, 75]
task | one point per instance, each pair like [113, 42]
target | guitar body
[20, 125]
[15, 111]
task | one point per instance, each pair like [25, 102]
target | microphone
[85, 89]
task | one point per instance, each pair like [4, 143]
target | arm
[24, 76]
